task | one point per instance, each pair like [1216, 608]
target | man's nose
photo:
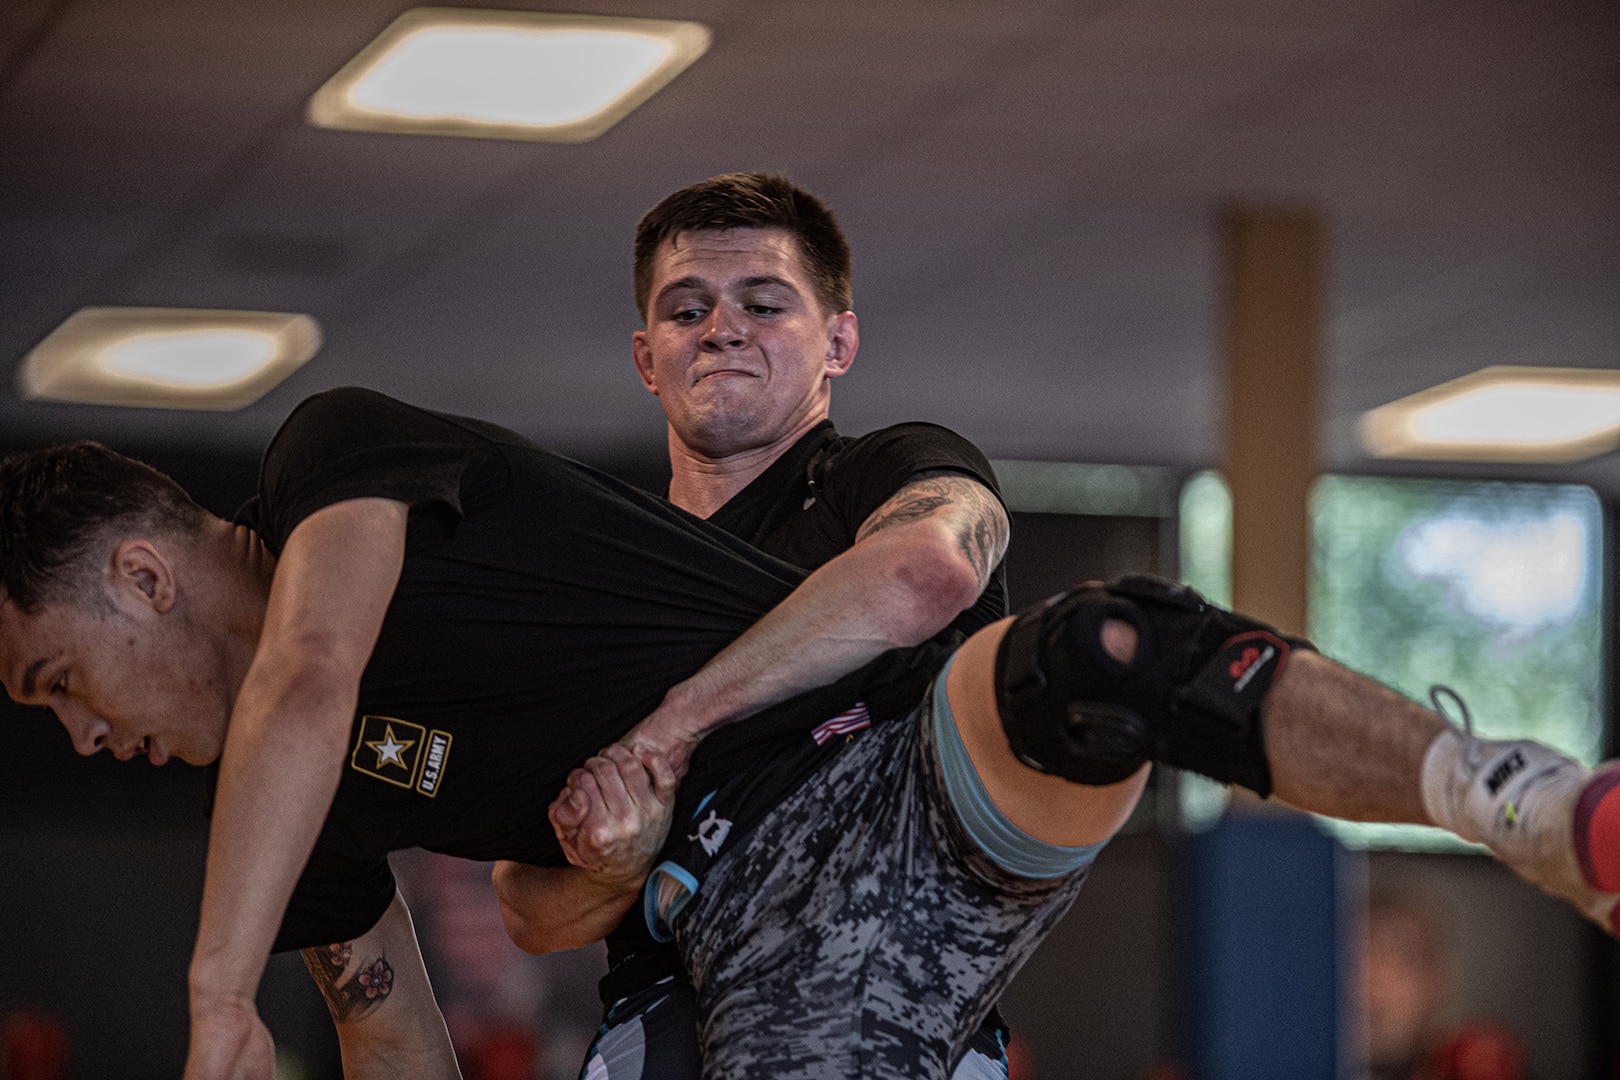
[722, 329]
[87, 730]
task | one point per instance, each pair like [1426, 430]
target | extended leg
[1106, 676]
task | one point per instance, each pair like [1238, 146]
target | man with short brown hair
[744, 284]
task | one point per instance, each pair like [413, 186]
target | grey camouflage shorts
[858, 931]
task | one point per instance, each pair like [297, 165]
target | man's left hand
[229, 1042]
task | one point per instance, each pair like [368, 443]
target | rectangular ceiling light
[506, 74]
[1523, 414]
[167, 358]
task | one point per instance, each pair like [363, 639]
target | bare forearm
[886, 593]
[549, 909]
[275, 785]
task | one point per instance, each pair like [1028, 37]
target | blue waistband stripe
[1008, 846]
[669, 888]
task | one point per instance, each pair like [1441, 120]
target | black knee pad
[1190, 697]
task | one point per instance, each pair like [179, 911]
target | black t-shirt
[543, 609]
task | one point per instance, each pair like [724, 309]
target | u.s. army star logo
[388, 749]
[404, 754]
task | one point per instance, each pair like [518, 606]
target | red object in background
[500, 1052]
[1477, 1051]
[1021, 1060]
[33, 1046]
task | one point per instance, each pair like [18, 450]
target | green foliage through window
[1492, 589]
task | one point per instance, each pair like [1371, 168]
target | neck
[243, 569]
[702, 483]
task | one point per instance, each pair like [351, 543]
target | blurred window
[1493, 589]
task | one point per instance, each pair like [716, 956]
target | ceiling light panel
[168, 358]
[506, 74]
[1509, 414]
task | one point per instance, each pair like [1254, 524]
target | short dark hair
[751, 201]
[57, 503]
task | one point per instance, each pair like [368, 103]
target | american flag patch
[845, 722]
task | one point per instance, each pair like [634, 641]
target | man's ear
[843, 339]
[140, 575]
[641, 353]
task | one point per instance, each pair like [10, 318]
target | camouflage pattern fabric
[652, 1035]
[858, 931]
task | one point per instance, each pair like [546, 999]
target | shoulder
[892, 455]
[352, 422]
[353, 443]
[909, 432]
[858, 475]
[349, 415]
[330, 428]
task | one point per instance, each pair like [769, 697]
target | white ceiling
[1032, 188]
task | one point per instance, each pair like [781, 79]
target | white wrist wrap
[1445, 781]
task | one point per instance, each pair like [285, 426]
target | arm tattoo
[982, 533]
[914, 508]
[976, 517]
[366, 986]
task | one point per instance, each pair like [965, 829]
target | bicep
[950, 503]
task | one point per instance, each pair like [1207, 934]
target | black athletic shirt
[806, 509]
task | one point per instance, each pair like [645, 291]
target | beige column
[1272, 312]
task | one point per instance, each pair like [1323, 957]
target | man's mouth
[723, 372]
[147, 748]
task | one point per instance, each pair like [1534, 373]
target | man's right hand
[611, 820]
[614, 813]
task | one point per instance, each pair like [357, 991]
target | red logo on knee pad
[1254, 658]
[1244, 662]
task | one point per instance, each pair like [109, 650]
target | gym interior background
[1035, 193]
